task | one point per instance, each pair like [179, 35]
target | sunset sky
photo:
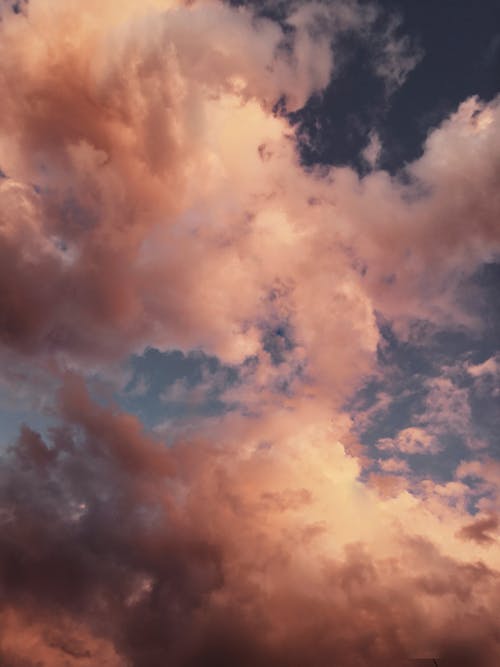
[249, 333]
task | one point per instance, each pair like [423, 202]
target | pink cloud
[411, 440]
[393, 465]
[154, 198]
[183, 555]
[480, 530]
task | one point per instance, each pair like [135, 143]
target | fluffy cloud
[128, 553]
[151, 191]
[153, 195]
[411, 440]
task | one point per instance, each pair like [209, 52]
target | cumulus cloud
[486, 376]
[128, 553]
[153, 196]
[126, 165]
[488, 367]
[394, 465]
[411, 440]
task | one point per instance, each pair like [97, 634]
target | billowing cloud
[152, 194]
[128, 553]
[123, 147]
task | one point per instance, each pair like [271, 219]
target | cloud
[483, 475]
[116, 153]
[479, 530]
[154, 196]
[397, 57]
[411, 440]
[447, 408]
[393, 465]
[120, 556]
[488, 367]
[372, 151]
[146, 219]
[486, 376]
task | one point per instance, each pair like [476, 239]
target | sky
[249, 333]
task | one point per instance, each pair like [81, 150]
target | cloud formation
[127, 553]
[153, 195]
[122, 142]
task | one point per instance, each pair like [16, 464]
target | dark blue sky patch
[18, 6]
[408, 358]
[163, 368]
[455, 36]
[486, 416]
[397, 416]
[458, 38]
[441, 465]
[459, 47]
[337, 124]
[163, 385]
[428, 385]
[277, 340]
[77, 216]
[486, 299]
[11, 421]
